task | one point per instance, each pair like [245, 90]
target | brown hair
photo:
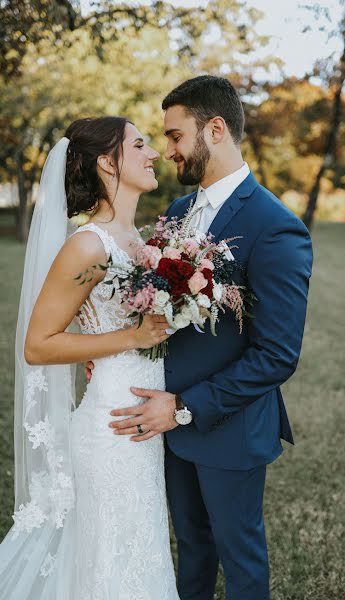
[206, 97]
[89, 138]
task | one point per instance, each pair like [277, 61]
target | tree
[27, 22]
[114, 61]
[285, 132]
[334, 77]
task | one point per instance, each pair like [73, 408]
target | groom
[226, 389]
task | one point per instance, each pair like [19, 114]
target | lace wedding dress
[122, 536]
[122, 544]
[113, 543]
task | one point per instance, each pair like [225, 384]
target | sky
[284, 21]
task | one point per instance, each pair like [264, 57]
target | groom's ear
[217, 129]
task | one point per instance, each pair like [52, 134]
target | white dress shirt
[216, 194]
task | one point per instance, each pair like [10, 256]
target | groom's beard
[195, 166]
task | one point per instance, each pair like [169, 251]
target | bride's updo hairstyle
[90, 138]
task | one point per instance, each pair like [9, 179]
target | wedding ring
[139, 429]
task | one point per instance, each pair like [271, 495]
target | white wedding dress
[114, 543]
[122, 533]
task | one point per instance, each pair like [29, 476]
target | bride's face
[137, 170]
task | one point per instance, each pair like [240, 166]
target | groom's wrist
[179, 402]
[182, 415]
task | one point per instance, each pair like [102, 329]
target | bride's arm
[59, 301]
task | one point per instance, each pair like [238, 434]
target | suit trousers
[217, 514]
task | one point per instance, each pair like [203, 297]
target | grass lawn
[305, 494]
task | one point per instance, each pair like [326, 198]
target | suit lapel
[232, 205]
[183, 206]
[227, 212]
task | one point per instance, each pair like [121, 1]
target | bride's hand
[152, 331]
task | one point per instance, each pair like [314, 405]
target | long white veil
[44, 399]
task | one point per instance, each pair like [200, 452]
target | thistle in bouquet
[181, 274]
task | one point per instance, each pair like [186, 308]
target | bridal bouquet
[181, 274]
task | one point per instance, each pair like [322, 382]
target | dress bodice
[103, 312]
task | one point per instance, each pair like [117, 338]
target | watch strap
[179, 402]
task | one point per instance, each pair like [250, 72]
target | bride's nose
[153, 154]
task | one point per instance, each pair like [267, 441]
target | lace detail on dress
[102, 312]
[123, 550]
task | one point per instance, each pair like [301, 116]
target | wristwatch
[182, 415]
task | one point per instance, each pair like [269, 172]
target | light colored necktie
[198, 208]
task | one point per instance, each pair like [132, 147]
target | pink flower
[190, 246]
[232, 299]
[159, 227]
[197, 282]
[206, 264]
[173, 253]
[145, 298]
[149, 257]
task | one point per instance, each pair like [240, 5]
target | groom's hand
[89, 366]
[155, 416]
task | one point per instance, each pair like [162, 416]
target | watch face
[183, 417]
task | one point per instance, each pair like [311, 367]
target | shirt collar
[219, 191]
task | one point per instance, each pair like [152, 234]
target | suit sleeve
[279, 269]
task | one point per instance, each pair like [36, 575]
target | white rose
[181, 321]
[217, 291]
[187, 312]
[203, 300]
[162, 298]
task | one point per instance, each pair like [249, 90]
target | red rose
[177, 273]
[208, 289]
[156, 242]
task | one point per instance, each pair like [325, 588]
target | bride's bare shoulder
[80, 251]
[86, 241]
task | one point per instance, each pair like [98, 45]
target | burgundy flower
[177, 273]
[156, 242]
[208, 290]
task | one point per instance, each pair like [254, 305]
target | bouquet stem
[156, 352]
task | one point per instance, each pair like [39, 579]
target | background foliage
[57, 65]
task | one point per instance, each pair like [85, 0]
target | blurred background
[61, 60]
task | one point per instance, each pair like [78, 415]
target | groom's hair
[206, 97]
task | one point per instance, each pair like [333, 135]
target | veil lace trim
[51, 489]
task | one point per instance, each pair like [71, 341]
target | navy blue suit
[216, 465]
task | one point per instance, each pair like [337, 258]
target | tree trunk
[330, 145]
[22, 225]
[257, 146]
[258, 155]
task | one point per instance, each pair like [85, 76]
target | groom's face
[186, 145]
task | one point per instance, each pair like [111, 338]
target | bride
[90, 520]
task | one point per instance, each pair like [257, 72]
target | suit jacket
[231, 382]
